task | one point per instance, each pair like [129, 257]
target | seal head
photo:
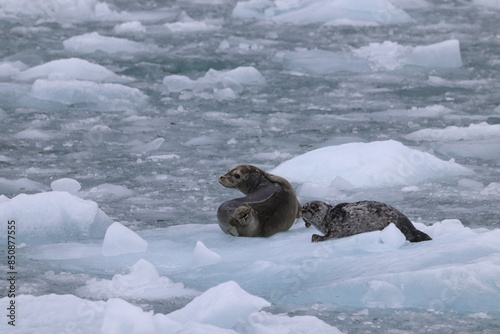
[269, 205]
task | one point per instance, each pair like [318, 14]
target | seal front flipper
[243, 214]
[318, 238]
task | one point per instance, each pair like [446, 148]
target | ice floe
[374, 164]
[472, 132]
[72, 68]
[93, 42]
[54, 217]
[363, 12]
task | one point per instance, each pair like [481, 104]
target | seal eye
[237, 176]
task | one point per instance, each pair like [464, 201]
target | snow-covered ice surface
[116, 118]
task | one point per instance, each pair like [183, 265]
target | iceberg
[234, 79]
[374, 164]
[69, 185]
[105, 95]
[93, 42]
[72, 68]
[53, 217]
[386, 56]
[478, 131]
[363, 12]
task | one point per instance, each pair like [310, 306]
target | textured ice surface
[202, 256]
[345, 76]
[375, 164]
[142, 282]
[120, 240]
[72, 68]
[92, 42]
[374, 57]
[232, 79]
[451, 133]
[98, 94]
[66, 184]
[54, 217]
[363, 12]
[225, 308]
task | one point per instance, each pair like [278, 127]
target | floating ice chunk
[440, 55]
[492, 189]
[120, 240]
[186, 24]
[107, 191]
[322, 11]
[19, 185]
[66, 184]
[143, 282]
[139, 147]
[54, 217]
[92, 42]
[220, 306]
[8, 69]
[263, 323]
[487, 3]
[201, 141]
[32, 134]
[386, 56]
[75, 11]
[375, 164]
[233, 79]
[72, 68]
[163, 157]
[75, 91]
[203, 256]
[392, 237]
[472, 132]
[133, 27]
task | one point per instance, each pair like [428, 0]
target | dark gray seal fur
[347, 219]
[269, 206]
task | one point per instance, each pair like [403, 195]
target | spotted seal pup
[269, 205]
[346, 219]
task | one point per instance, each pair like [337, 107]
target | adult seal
[352, 218]
[268, 207]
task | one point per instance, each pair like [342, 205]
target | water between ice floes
[116, 119]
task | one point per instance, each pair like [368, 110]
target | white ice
[225, 85]
[185, 23]
[23, 184]
[142, 282]
[69, 185]
[202, 256]
[72, 68]
[106, 96]
[74, 11]
[93, 42]
[54, 217]
[374, 164]
[108, 192]
[132, 27]
[386, 56]
[363, 12]
[452, 133]
[222, 309]
[120, 240]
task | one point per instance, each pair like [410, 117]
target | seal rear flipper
[418, 236]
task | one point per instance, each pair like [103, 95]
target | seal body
[352, 218]
[269, 205]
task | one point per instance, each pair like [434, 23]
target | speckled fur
[352, 218]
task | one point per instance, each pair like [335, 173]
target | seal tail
[418, 236]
